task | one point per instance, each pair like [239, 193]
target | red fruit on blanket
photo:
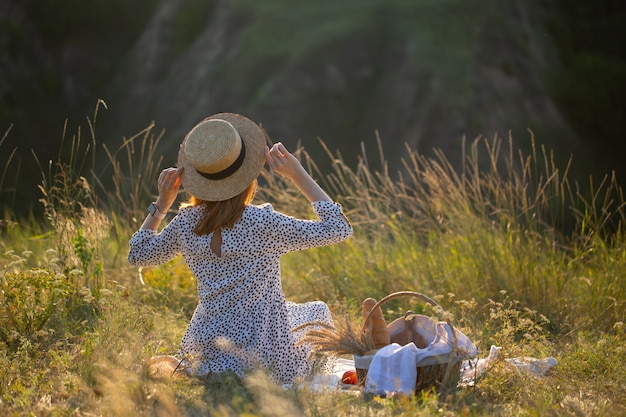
[349, 377]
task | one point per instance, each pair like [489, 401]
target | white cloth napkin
[393, 369]
[445, 339]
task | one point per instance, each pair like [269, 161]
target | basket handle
[398, 295]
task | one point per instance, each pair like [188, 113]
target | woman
[242, 321]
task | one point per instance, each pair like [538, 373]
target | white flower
[76, 272]
[106, 292]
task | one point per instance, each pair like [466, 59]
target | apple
[350, 377]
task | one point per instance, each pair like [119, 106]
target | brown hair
[222, 214]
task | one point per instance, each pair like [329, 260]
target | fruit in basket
[350, 377]
[376, 324]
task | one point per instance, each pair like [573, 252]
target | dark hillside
[423, 73]
[591, 86]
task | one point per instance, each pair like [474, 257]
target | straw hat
[222, 155]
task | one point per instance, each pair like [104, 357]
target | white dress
[242, 321]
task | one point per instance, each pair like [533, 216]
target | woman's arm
[147, 247]
[168, 185]
[284, 163]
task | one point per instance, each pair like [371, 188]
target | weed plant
[517, 256]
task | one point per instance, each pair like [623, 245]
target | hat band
[231, 169]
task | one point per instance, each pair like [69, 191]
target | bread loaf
[376, 324]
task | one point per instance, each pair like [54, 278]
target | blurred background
[422, 73]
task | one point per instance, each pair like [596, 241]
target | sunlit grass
[516, 255]
[474, 234]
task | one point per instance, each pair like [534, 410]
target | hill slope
[421, 73]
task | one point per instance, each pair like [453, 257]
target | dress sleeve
[147, 247]
[288, 234]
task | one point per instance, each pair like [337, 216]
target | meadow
[517, 255]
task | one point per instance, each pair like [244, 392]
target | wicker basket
[439, 372]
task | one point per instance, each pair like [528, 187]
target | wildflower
[85, 293]
[106, 292]
[41, 333]
[58, 292]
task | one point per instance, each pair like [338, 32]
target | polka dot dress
[242, 320]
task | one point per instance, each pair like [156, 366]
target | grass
[516, 255]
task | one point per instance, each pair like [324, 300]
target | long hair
[222, 214]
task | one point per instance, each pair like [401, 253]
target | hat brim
[223, 189]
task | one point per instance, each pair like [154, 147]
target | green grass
[516, 255]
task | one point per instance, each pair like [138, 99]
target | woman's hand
[168, 183]
[282, 162]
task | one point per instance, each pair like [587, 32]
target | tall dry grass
[509, 222]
